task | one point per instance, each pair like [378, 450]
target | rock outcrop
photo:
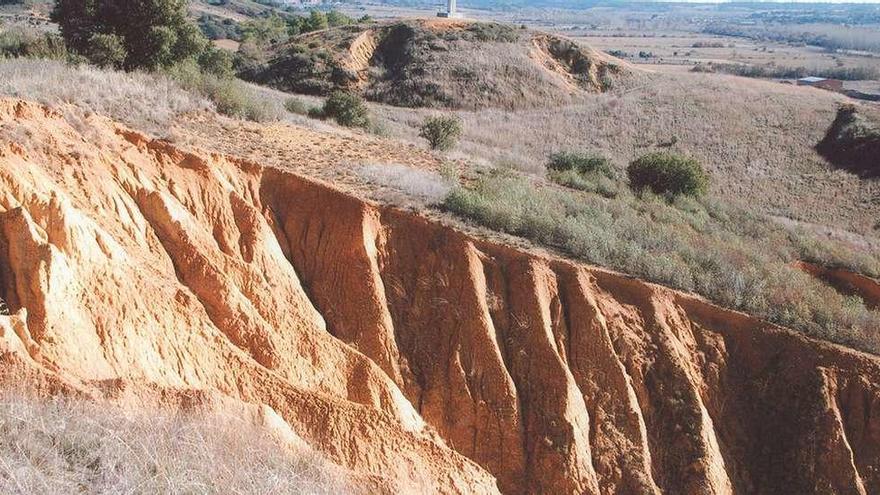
[415, 356]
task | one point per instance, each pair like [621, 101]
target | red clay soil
[413, 356]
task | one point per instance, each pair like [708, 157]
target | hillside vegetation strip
[736, 258]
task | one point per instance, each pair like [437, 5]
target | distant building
[821, 82]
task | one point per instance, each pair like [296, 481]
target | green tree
[337, 18]
[316, 21]
[154, 33]
[265, 31]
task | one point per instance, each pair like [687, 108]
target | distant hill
[441, 63]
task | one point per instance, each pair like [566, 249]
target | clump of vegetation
[295, 105]
[347, 109]
[441, 132]
[668, 174]
[589, 172]
[583, 163]
[231, 96]
[136, 34]
[853, 142]
[15, 43]
[738, 259]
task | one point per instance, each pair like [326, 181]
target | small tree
[347, 109]
[668, 173]
[337, 18]
[316, 21]
[441, 132]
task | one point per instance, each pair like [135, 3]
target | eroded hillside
[416, 357]
[441, 63]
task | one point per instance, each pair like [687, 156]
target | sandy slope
[412, 355]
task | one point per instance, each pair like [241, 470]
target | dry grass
[143, 101]
[740, 260]
[65, 446]
[755, 138]
[422, 184]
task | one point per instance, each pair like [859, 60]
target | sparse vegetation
[414, 182]
[441, 132]
[69, 446]
[295, 105]
[668, 174]
[347, 109]
[738, 259]
[146, 102]
[230, 96]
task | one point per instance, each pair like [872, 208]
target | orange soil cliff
[416, 357]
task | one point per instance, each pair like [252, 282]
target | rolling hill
[441, 63]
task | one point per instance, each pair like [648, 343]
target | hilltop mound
[853, 141]
[441, 63]
[416, 357]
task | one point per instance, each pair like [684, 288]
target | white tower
[450, 10]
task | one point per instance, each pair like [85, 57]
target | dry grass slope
[69, 446]
[143, 101]
[757, 140]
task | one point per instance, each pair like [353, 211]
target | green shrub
[295, 105]
[668, 174]
[441, 132]
[583, 163]
[590, 182]
[347, 109]
[218, 62]
[106, 50]
[316, 113]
